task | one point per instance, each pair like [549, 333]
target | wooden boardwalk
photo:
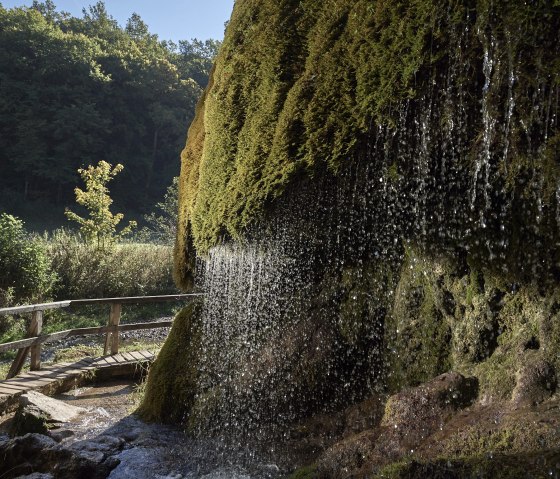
[63, 376]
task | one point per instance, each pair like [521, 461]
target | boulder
[410, 417]
[38, 413]
[433, 401]
[56, 411]
[37, 453]
[364, 415]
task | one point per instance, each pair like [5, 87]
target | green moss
[495, 466]
[29, 419]
[364, 299]
[417, 331]
[519, 438]
[307, 472]
[172, 382]
[297, 85]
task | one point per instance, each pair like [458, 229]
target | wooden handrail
[85, 302]
[35, 307]
[49, 338]
[32, 344]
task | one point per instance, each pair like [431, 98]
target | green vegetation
[77, 90]
[172, 384]
[128, 269]
[307, 472]
[24, 264]
[286, 102]
[161, 224]
[100, 228]
[61, 266]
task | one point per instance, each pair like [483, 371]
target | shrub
[24, 265]
[130, 269]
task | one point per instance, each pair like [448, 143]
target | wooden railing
[34, 339]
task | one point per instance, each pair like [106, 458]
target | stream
[153, 450]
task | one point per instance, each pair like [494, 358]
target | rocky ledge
[442, 429]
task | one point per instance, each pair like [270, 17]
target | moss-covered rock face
[173, 379]
[369, 199]
[448, 100]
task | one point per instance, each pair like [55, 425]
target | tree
[101, 226]
[162, 223]
[73, 90]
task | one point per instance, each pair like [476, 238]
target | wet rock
[37, 475]
[364, 415]
[410, 417]
[100, 448]
[536, 382]
[346, 457]
[37, 453]
[430, 402]
[61, 434]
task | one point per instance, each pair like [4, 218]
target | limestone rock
[410, 417]
[38, 413]
[364, 415]
[29, 419]
[536, 382]
[54, 410]
[431, 401]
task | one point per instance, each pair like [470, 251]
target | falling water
[285, 298]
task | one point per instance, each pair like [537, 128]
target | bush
[25, 267]
[130, 269]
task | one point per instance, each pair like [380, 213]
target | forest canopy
[74, 91]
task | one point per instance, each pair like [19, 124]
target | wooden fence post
[34, 330]
[112, 338]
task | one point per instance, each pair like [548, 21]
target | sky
[169, 19]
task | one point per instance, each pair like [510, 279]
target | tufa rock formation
[370, 198]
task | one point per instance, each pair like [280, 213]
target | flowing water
[152, 451]
[439, 176]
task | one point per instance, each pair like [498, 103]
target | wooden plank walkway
[63, 376]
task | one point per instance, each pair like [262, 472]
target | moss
[205, 411]
[299, 85]
[364, 300]
[417, 331]
[505, 439]
[307, 472]
[173, 378]
[495, 466]
[29, 419]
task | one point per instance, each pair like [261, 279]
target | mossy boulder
[172, 382]
[291, 102]
[373, 187]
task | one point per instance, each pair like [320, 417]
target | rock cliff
[369, 198]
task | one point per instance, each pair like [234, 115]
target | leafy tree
[196, 57]
[73, 90]
[100, 228]
[162, 223]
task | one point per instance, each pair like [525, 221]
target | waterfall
[459, 167]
